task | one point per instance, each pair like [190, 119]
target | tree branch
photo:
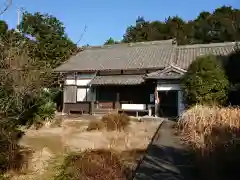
[8, 4]
[84, 31]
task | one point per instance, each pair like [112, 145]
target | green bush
[205, 82]
[43, 109]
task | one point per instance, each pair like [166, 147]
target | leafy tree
[137, 33]
[176, 29]
[53, 46]
[220, 26]
[205, 82]
[111, 41]
[3, 28]
[26, 62]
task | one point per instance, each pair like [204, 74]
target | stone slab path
[167, 158]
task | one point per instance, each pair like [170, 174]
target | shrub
[214, 134]
[115, 121]
[95, 125]
[12, 156]
[91, 165]
[41, 108]
[55, 94]
[205, 82]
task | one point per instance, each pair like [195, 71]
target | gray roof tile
[133, 56]
[142, 55]
[186, 54]
[118, 80]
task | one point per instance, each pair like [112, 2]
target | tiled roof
[186, 54]
[126, 56]
[118, 80]
[142, 56]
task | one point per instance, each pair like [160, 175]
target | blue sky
[110, 18]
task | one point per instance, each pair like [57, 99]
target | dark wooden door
[106, 97]
[168, 106]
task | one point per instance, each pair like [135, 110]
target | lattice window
[70, 94]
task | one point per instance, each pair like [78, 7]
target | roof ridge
[206, 45]
[133, 44]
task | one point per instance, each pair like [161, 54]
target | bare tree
[6, 6]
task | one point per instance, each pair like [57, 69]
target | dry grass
[110, 122]
[91, 165]
[95, 125]
[213, 133]
[72, 136]
[200, 123]
[100, 164]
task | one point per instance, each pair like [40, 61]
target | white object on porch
[133, 106]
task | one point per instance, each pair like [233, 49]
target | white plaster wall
[78, 82]
[70, 82]
[83, 82]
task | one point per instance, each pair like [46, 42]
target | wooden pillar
[117, 103]
[92, 108]
[181, 106]
[156, 102]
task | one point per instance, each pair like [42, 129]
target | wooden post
[92, 107]
[156, 102]
[117, 104]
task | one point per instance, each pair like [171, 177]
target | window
[81, 94]
[85, 94]
[70, 94]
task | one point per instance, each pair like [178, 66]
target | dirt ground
[61, 137]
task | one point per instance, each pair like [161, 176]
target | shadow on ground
[159, 165]
[166, 158]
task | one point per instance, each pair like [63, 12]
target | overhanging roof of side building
[146, 55]
[118, 80]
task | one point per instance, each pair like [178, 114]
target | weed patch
[213, 133]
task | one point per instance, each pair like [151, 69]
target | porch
[131, 99]
[135, 100]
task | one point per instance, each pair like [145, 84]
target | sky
[109, 18]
